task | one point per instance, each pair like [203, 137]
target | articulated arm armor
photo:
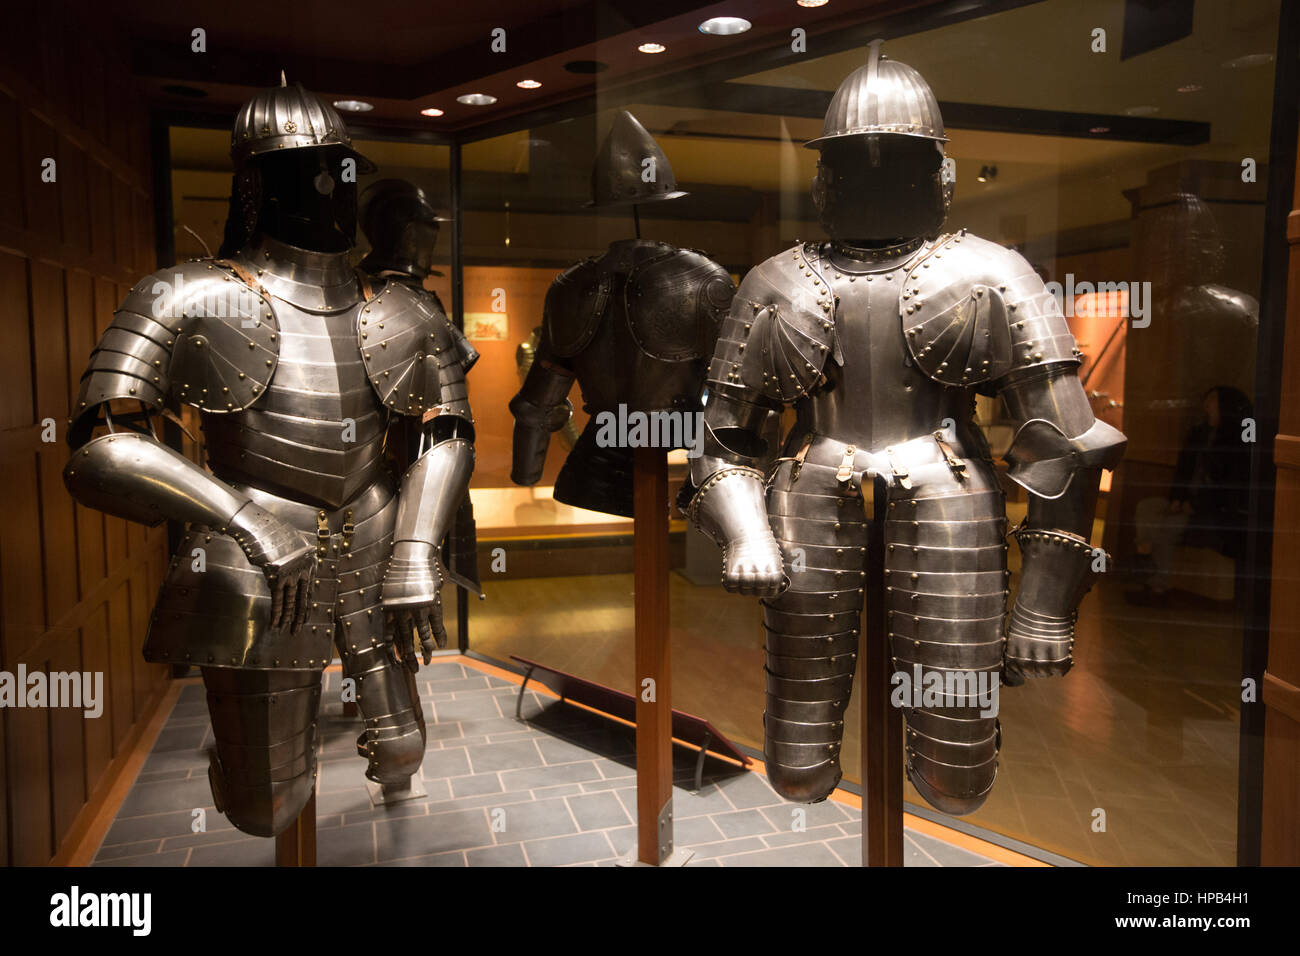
[162, 339]
[541, 407]
[1057, 455]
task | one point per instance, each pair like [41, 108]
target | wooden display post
[296, 846]
[653, 691]
[882, 724]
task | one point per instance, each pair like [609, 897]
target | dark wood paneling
[75, 587]
[94, 658]
[22, 599]
[30, 805]
[15, 344]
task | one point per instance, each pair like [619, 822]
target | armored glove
[412, 600]
[287, 558]
[1057, 573]
[729, 508]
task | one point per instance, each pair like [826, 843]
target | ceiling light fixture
[431, 111]
[353, 106]
[528, 84]
[812, 3]
[652, 48]
[476, 99]
[725, 26]
[1190, 88]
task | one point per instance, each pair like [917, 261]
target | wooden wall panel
[75, 587]
[94, 658]
[16, 411]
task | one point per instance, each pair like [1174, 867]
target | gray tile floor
[557, 789]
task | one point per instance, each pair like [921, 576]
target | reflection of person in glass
[299, 540]
[1208, 499]
[881, 339]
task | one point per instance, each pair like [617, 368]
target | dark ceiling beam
[554, 33]
[783, 101]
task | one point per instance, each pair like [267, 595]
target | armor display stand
[296, 846]
[654, 716]
[881, 730]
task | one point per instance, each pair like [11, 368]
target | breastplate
[648, 366]
[316, 435]
[878, 397]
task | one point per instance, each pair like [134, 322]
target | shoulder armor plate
[780, 330]
[227, 341]
[575, 304]
[410, 353]
[972, 311]
[675, 302]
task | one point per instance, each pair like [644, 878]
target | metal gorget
[313, 281]
[860, 260]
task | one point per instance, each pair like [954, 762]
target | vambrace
[134, 476]
[541, 407]
[431, 491]
[1057, 455]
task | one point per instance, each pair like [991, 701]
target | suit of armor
[635, 326]
[880, 339]
[299, 540]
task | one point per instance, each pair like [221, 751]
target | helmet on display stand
[631, 167]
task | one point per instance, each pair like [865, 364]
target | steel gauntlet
[1057, 571]
[729, 508]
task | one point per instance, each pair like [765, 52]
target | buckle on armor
[322, 534]
[844, 473]
[348, 528]
[900, 473]
[956, 464]
[799, 458]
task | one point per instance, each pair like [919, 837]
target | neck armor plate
[313, 281]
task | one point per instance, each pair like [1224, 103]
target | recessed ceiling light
[1141, 110]
[1190, 88]
[353, 106]
[652, 48]
[813, 3]
[725, 26]
[528, 84]
[1250, 59]
[431, 111]
[476, 99]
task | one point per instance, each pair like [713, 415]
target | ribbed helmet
[883, 97]
[289, 117]
[622, 176]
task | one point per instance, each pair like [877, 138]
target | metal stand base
[387, 797]
[679, 857]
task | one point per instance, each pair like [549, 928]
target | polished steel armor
[881, 343]
[300, 541]
[635, 327]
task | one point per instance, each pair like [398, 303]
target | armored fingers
[432, 490]
[1057, 455]
[729, 501]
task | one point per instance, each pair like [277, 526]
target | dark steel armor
[881, 344]
[635, 327]
[300, 541]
